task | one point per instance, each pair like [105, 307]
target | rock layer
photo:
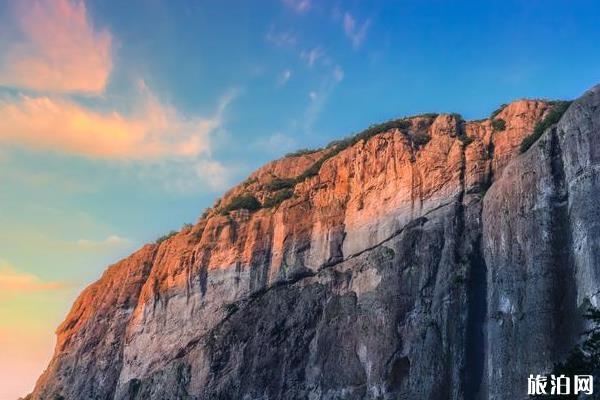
[445, 268]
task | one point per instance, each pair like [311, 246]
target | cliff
[424, 259]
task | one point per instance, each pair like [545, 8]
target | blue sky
[120, 121]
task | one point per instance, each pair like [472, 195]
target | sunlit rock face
[428, 261]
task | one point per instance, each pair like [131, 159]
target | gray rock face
[397, 276]
[541, 235]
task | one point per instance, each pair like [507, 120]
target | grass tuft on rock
[498, 124]
[165, 237]
[242, 202]
[555, 114]
[278, 198]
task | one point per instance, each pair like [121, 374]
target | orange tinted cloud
[12, 281]
[58, 50]
[154, 131]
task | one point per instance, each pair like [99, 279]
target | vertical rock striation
[427, 260]
[541, 232]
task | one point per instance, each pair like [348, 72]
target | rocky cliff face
[426, 261]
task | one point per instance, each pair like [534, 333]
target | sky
[120, 121]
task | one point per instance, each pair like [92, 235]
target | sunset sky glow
[120, 121]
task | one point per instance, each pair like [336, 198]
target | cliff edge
[425, 258]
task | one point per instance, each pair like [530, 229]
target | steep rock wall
[380, 278]
[541, 241]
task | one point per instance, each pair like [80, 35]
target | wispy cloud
[59, 50]
[299, 6]
[284, 76]
[277, 143]
[111, 241]
[311, 56]
[318, 98]
[214, 173]
[15, 282]
[354, 31]
[186, 176]
[154, 131]
[55, 53]
[338, 73]
[281, 38]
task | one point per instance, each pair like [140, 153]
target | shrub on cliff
[243, 202]
[278, 198]
[583, 359]
[458, 117]
[557, 111]
[465, 139]
[277, 183]
[301, 152]
[368, 133]
[337, 146]
[497, 111]
[420, 139]
[165, 237]
[498, 124]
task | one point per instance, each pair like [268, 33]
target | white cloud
[318, 98]
[311, 56]
[299, 6]
[338, 73]
[111, 241]
[283, 77]
[355, 33]
[277, 144]
[189, 176]
[57, 50]
[214, 173]
[281, 39]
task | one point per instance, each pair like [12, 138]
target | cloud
[186, 176]
[299, 6]
[281, 39]
[15, 282]
[154, 131]
[283, 77]
[355, 33]
[277, 143]
[338, 73]
[214, 173]
[110, 242]
[311, 56]
[58, 49]
[318, 98]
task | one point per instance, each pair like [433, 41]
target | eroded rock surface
[430, 261]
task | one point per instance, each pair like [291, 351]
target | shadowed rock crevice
[477, 313]
[568, 318]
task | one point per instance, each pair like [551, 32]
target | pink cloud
[154, 131]
[58, 50]
[12, 281]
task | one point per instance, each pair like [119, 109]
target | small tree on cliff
[583, 359]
